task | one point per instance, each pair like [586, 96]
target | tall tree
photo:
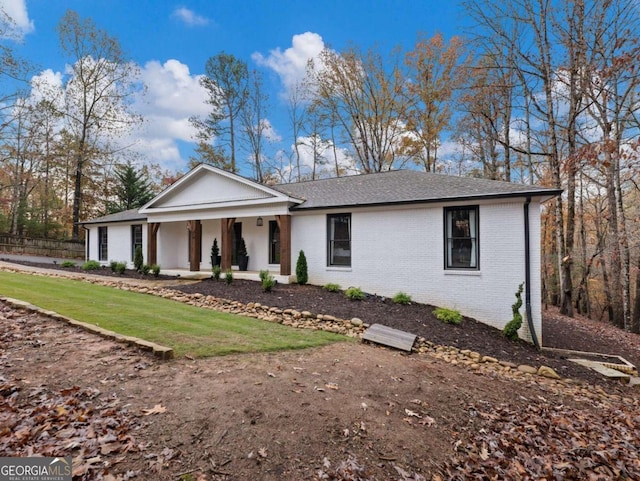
[435, 72]
[132, 190]
[226, 81]
[255, 125]
[97, 95]
[363, 94]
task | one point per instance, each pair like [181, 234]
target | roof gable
[207, 186]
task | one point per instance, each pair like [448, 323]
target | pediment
[208, 186]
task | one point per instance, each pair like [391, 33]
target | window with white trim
[461, 238]
[136, 239]
[339, 240]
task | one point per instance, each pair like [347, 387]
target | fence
[41, 247]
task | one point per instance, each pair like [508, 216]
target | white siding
[118, 242]
[403, 250]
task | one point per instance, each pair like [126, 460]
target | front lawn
[186, 329]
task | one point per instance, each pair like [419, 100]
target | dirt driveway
[343, 410]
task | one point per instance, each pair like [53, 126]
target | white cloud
[173, 95]
[189, 17]
[16, 10]
[291, 63]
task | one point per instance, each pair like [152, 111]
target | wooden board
[601, 368]
[389, 337]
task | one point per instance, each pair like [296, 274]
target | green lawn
[186, 329]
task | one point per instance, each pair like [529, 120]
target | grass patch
[186, 329]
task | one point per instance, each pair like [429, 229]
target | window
[461, 238]
[274, 242]
[136, 239]
[339, 240]
[103, 252]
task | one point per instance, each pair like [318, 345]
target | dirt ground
[345, 411]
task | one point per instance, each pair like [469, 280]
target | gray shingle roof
[402, 186]
[124, 216]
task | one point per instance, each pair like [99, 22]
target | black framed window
[103, 251]
[461, 237]
[339, 240]
[274, 242]
[136, 239]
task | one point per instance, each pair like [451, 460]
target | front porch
[246, 275]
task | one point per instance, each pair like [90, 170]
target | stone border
[161, 352]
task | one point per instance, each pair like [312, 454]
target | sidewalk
[150, 282]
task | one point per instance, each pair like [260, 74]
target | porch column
[152, 242]
[195, 246]
[226, 226]
[284, 224]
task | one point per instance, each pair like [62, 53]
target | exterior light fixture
[259, 221]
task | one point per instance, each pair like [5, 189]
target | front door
[236, 238]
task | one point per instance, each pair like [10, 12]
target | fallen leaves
[157, 409]
[70, 422]
[542, 441]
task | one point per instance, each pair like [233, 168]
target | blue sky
[171, 42]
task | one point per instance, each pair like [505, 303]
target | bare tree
[97, 95]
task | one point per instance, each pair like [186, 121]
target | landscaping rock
[527, 369]
[546, 371]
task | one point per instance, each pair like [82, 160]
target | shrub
[120, 267]
[511, 329]
[91, 266]
[268, 282]
[264, 274]
[402, 298]
[216, 271]
[228, 277]
[242, 249]
[145, 269]
[302, 276]
[68, 264]
[332, 287]
[138, 259]
[155, 270]
[215, 252]
[113, 265]
[449, 316]
[354, 294]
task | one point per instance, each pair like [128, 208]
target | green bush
[216, 271]
[332, 287]
[91, 266]
[145, 269]
[113, 265]
[354, 294]
[68, 264]
[119, 268]
[302, 275]
[268, 282]
[450, 316]
[402, 298]
[155, 270]
[138, 259]
[215, 252]
[264, 274]
[511, 329]
[228, 277]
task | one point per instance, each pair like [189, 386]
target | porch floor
[247, 275]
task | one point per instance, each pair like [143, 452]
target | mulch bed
[418, 319]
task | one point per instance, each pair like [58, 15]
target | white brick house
[454, 242]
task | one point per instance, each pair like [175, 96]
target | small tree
[215, 252]
[511, 329]
[138, 258]
[301, 269]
